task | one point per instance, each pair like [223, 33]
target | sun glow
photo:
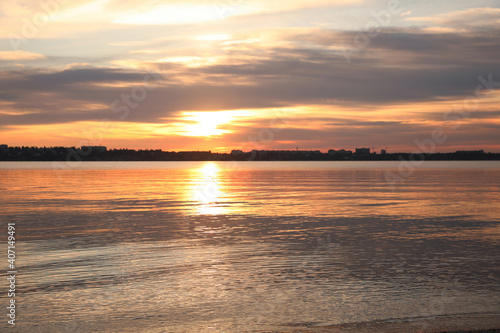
[207, 123]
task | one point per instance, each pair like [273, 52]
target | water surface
[202, 246]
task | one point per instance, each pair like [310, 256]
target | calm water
[204, 247]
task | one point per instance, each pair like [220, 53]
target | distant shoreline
[102, 154]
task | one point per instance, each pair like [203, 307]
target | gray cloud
[399, 65]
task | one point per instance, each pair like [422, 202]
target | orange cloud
[20, 56]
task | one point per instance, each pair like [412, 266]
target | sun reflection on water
[207, 190]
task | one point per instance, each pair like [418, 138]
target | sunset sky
[250, 74]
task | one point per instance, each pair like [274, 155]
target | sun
[206, 123]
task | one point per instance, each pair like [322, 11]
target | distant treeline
[98, 153]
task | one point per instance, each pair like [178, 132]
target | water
[204, 247]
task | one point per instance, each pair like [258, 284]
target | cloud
[263, 69]
[20, 56]
[55, 18]
[469, 19]
[182, 12]
[402, 66]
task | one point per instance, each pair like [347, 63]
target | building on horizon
[289, 152]
[285, 154]
[340, 152]
[362, 151]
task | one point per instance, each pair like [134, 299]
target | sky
[219, 75]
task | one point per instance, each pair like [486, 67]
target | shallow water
[202, 246]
